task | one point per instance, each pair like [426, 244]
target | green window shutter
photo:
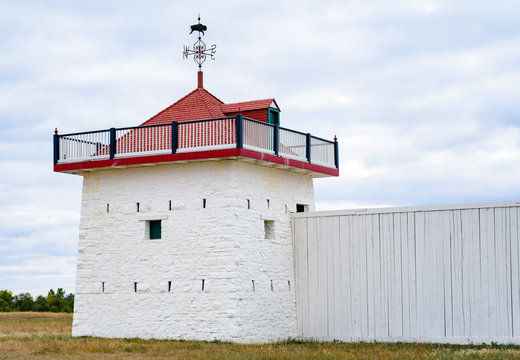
[155, 229]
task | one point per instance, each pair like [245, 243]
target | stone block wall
[223, 268]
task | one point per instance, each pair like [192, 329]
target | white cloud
[422, 95]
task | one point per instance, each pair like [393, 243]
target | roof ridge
[210, 94]
[209, 105]
[249, 105]
[169, 107]
[184, 97]
[249, 101]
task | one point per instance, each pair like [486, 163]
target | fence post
[112, 142]
[239, 123]
[276, 139]
[56, 139]
[175, 136]
[308, 147]
[336, 152]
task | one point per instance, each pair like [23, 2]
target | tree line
[55, 301]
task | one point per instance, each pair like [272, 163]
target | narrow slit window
[108, 208]
[289, 284]
[170, 206]
[137, 206]
[248, 204]
[169, 286]
[202, 284]
[135, 286]
[203, 203]
[268, 204]
[103, 286]
[253, 282]
[272, 287]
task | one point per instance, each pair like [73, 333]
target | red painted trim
[288, 162]
[198, 155]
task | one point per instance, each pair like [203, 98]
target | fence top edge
[406, 209]
[256, 121]
[293, 131]
[322, 139]
[83, 133]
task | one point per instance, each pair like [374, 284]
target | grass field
[47, 336]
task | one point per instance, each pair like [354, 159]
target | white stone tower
[185, 230]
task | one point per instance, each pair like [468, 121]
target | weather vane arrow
[199, 52]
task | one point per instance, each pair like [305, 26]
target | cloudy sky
[424, 97]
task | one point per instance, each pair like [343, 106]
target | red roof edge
[248, 105]
[198, 155]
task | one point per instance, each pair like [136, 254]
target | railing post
[308, 147]
[112, 142]
[56, 139]
[336, 153]
[239, 123]
[175, 136]
[276, 139]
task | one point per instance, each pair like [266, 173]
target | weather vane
[199, 51]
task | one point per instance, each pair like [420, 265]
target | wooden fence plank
[430, 275]
[515, 272]
[337, 277]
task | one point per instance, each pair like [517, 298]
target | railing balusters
[200, 135]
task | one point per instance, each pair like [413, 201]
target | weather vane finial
[199, 51]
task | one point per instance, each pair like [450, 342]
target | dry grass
[47, 336]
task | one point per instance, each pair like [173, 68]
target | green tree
[41, 304]
[56, 300]
[7, 297]
[69, 303]
[23, 302]
[4, 306]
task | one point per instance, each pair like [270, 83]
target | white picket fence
[446, 274]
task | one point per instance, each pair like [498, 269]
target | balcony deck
[229, 137]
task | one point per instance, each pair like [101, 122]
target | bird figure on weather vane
[199, 51]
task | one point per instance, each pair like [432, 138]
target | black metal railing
[198, 135]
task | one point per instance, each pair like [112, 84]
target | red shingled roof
[198, 104]
[248, 105]
[201, 104]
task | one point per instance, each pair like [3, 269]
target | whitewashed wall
[432, 274]
[223, 244]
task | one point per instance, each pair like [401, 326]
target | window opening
[269, 229]
[135, 286]
[169, 286]
[103, 286]
[273, 116]
[108, 208]
[302, 208]
[155, 229]
[137, 207]
[170, 205]
[268, 204]
[253, 284]
[203, 203]
[272, 288]
[248, 204]
[202, 284]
